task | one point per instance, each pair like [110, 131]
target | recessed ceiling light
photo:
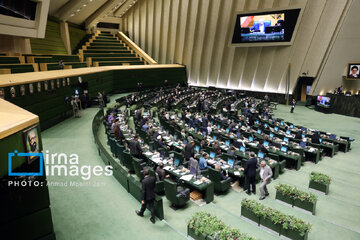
[84, 5]
[78, 10]
[72, 15]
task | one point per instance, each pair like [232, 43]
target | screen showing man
[267, 27]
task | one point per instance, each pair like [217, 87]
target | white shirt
[261, 172]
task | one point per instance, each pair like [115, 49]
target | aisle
[101, 209]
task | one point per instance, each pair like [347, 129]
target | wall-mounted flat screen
[353, 72]
[265, 27]
[323, 101]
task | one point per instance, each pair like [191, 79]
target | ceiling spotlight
[72, 15]
[78, 10]
[84, 5]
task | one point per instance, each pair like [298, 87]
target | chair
[128, 160]
[138, 167]
[177, 199]
[119, 149]
[282, 163]
[219, 185]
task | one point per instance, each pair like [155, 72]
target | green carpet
[108, 211]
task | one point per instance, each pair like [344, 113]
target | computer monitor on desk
[251, 139]
[276, 129]
[212, 155]
[266, 144]
[288, 132]
[283, 149]
[259, 131]
[291, 126]
[302, 144]
[230, 162]
[227, 143]
[286, 139]
[214, 138]
[176, 162]
[242, 149]
[332, 136]
[271, 135]
[266, 125]
[227, 130]
[197, 148]
[260, 155]
[320, 140]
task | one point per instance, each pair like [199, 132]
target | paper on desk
[168, 168]
[187, 177]
[237, 173]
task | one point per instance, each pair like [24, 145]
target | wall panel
[197, 33]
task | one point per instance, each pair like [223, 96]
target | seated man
[231, 151]
[161, 172]
[223, 176]
[202, 162]
[145, 127]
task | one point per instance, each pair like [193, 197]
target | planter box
[309, 206]
[319, 186]
[250, 215]
[191, 233]
[284, 198]
[293, 234]
[266, 222]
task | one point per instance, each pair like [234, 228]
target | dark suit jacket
[250, 167]
[161, 173]
[135, 148]
[189, 151]
[205, 122]
[315, 138]
[147, 188]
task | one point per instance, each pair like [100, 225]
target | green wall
[76, 35]
[52, 43]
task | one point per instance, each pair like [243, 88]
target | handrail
[136, 48]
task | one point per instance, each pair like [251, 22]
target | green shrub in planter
[295, 228]
[299, 198]
[231, 233]
[320, 182]
[285, 193]
[272, 219]
[251, 210]
[204, 226]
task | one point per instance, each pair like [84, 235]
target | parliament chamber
[179, 119]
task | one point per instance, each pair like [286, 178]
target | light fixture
[84, 5]
[78, 10]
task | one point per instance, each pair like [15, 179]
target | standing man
[265, 175]
[101, 100]
[147, 195]
[293, 103]
[250, 173]
[135, 149]
[189, 150]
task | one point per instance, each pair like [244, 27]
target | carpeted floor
[104, 210]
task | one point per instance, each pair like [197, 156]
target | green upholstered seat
[173, 196]
[219, 184]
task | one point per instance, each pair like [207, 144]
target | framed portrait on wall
[32, 142]
[68, 81]
[22, 90]
[52, 84]
[353, 71]
[31, 88]
[63, 82]
[58, 83]
[46, 86]
[2, 93]
[39, 86]
[12, 92]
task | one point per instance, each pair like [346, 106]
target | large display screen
[276, 26]
[323, 101]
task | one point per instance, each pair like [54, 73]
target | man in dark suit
[315, 138]
[147, 195]
[189, 150]
[135, 149]
[250, 173]
[205, 121]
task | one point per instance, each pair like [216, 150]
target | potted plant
[306, 201]
[295, 228]
[203, 226]
[285, 193]
[272, 219]
[251, 210]
[231, 233]
[320, 182]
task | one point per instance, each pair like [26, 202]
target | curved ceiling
[89, 12]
